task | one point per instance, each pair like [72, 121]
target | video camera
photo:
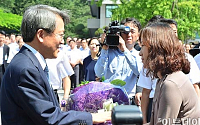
[112, 39]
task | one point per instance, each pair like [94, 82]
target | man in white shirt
[85, 52]
[14, 47]
[197, 59]
[74, 56]
[4, 54]
[59, 74]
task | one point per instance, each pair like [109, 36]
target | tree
[10, 21]
[79, 12]
[185, 12]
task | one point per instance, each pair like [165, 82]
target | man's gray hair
[40, 17]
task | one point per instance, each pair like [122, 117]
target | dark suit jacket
[28, 98]
[5, 56]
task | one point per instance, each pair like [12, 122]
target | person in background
[4, 54]
[164, 58]
[90, 61]
[13, 44]
[67, 43]
[75, 39]
[197, 60]
[123, 62]
[20, 42]
[12, 53]
[14, 47]
[74, 56]
[29, 99]
[7, 39]
[187, 48]
[18, 36]
[85, 51]
[60, 71]
[59, 74]
[78, 43]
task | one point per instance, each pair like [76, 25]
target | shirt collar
[2, 45]
[38, 56]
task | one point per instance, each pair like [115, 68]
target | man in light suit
[28, 97]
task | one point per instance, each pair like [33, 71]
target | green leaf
[118, 82]
[102, 79]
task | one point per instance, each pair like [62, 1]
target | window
[109, 9]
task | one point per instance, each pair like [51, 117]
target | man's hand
[101, 117]
[122, 45]
[105, 47]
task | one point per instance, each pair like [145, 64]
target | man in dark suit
[28, 97]
[4, 53]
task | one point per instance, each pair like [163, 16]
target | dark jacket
[28, 98]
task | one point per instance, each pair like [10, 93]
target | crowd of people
[160, 74]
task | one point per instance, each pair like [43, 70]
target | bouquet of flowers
[96, 96]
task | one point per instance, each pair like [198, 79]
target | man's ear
[40, 35]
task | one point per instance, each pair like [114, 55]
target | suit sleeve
[36, 99]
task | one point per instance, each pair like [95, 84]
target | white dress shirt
[59, 68]
[1, 54]
[197, 59]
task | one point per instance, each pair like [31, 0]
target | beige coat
[175, 101]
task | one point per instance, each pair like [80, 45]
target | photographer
[121, 62]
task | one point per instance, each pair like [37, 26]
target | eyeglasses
[61, 36]
[94, 44]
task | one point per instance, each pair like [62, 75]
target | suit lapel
[36, 63]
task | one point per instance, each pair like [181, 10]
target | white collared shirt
[59, 68]
[1, 55]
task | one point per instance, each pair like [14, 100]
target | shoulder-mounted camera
[112, 38]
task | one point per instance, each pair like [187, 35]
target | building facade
[102, 15]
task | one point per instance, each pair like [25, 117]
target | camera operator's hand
[105, 47]
[122, 45]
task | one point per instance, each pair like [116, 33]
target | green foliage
[10, 21]
[118, 82]
[102, 79]
[83, 83]
[79, 12]
[185, 12]
[98, 32]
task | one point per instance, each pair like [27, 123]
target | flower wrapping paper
[90, 97]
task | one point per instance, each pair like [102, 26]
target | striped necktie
[46, 70]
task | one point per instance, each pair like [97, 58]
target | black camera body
[126, 115]
[112, 38]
